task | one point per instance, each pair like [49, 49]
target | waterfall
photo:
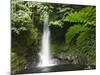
[45, 56]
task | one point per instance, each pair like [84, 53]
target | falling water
[45, 57]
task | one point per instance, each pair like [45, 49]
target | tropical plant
[80, 37]
[24, 34]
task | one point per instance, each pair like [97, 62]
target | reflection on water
[45, 69]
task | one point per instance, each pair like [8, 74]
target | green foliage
[57, 14]
[18, 63]
[86, 43]
[20, 18]
[21, 21]
[23, 29]
[85, 15]
[55, 11]
[24, 35]
[73, 32]
[56, 22]
[80, 37]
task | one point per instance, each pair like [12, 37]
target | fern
[72, 31]
[85, 15]
[80, 38]
[86, 44]
[82, 44]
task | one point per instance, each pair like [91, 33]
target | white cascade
[45, 56]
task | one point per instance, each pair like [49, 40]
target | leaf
[85, 15]
[73, 31]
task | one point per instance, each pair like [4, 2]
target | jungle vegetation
[73, 32]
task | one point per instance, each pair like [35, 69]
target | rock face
[63, 59]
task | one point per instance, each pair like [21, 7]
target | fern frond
[85, 15]
[73, 31]
[86, 44]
